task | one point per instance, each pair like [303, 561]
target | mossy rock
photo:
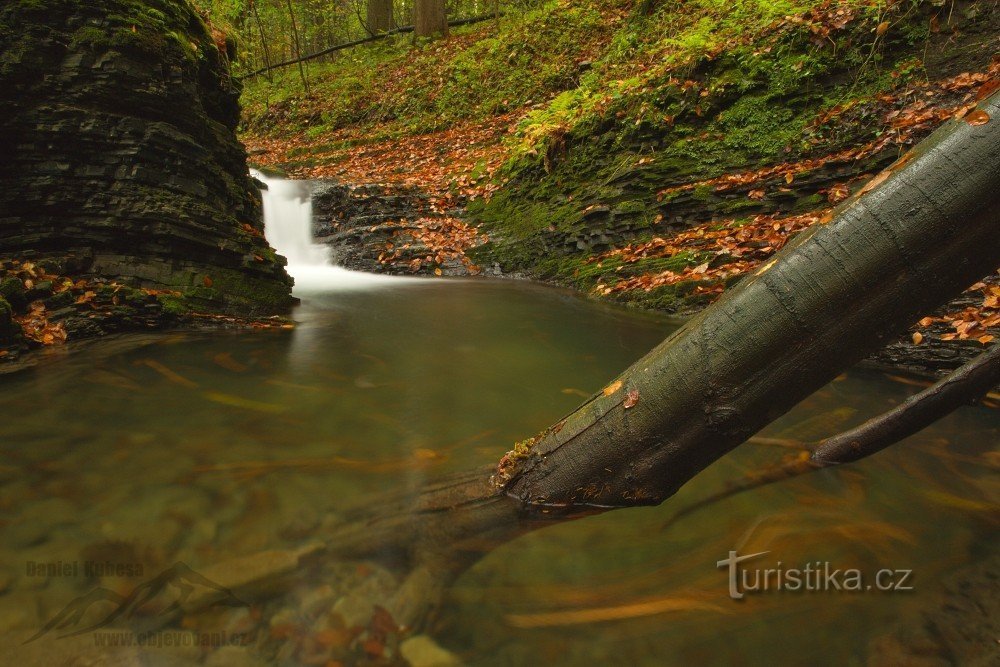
[10, 331]
[13, 292]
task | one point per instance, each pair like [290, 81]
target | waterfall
[288, 228]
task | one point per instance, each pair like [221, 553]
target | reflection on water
[198, 448]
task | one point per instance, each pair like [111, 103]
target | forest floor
[650, 170]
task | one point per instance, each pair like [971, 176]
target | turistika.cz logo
[818, 576]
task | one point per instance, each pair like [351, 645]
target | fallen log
[359, 42]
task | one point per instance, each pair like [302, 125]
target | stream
[199, 447]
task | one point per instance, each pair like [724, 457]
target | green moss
[240, 292]
[679, 298]
[174, 305]
[13, 292]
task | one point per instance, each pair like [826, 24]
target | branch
[967, 384]
[359, 42]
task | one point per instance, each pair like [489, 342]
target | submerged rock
[422, 651]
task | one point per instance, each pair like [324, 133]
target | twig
[966, 385]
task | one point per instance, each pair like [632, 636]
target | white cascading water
[288, 228]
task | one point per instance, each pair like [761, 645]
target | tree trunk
[298, 47]
[429, 18]
[919, 233]
[915, 236]
[379, 16]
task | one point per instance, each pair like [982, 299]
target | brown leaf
[206, 281]
[977, 117]
[631, 398]
[917, 337]
[988, 88]
[882, 28]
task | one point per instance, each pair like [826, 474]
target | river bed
[202, 447]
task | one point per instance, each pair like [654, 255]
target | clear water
[201, 447]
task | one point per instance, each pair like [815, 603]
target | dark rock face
[117, 125]
[358, 223]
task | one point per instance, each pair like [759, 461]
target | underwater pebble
[313, 602]
[422, 651]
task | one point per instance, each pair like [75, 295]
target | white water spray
[288, 228]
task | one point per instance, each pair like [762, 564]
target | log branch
[358, 42]
[968, 384]
[914, 237]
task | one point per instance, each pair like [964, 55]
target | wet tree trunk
[917, 235]
[920, 233]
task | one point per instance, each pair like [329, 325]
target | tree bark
[298, 48]
[429, 18]
[915, 236]
[378, 16]
[919, 233]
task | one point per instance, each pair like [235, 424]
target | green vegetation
[482, 71]
[616, 105]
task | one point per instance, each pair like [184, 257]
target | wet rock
[316, 600]
[12, 290]
[9, 329]
[357, 223]
[355, 609]
[156, 117]
[422, 651]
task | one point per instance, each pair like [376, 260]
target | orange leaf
[206, 281]
[882, 28]
[917, 338]
[612, 388]
[977, 117]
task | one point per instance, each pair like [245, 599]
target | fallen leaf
[882, 28]
[917, 338]
[206, 281]
[631, 398]
[977, 117]
[612, 388]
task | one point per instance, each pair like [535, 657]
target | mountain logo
[178, 579]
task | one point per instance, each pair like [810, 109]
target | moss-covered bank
[724, 118]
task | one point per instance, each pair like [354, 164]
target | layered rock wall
[120, 160]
